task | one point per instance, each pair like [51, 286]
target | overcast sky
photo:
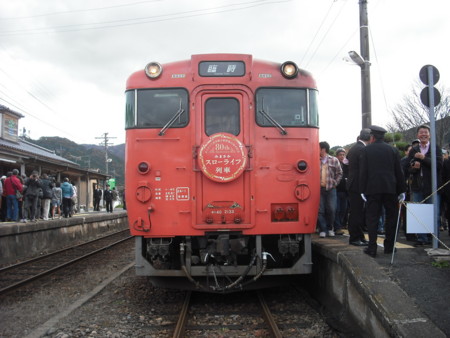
[64, 63]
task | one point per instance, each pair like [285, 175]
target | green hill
[88, 155]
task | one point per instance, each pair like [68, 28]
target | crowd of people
[362, 189]
[38, 197]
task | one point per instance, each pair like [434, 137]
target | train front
[222, 171]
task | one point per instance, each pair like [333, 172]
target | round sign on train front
[223, 157]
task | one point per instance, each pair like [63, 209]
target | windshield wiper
[272, 120]
[171, 121]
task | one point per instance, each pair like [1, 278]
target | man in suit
[382, 184]
[420, 159]
[97, 198]
[356, 219]
[108, 198]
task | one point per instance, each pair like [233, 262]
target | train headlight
[302, 166]
[153, 70]
[143, 167]
[289, 70]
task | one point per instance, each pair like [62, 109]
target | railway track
[269, 320]
[19, 274]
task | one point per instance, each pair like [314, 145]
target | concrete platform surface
[412, 295]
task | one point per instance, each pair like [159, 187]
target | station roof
[25, 149]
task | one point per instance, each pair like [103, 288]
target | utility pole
[363, 61]
[365, 68]
[105, 144]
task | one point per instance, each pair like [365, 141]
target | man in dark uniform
[108, 198]
[97, 198]
[356, 219]
[382, 183]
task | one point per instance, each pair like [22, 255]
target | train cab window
[222, 115]
[313, 108]
[157, 108]
[286, 107]
[130, 117]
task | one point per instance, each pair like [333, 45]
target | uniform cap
[377, 130]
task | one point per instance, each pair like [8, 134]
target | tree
[411, 113]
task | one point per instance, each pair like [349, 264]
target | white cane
[396, 232]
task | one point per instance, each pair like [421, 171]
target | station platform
[19, 241]
[408, 296]
[408, 292]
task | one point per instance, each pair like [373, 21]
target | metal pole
[365, 68]
[433, 155]
[396, 231]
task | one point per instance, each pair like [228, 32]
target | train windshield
[286, 107]
[222, 115]
[156, 108]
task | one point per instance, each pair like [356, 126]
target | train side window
[313, 108]
[287, 107]
[156, 107]
[222, 115]
[130, 116]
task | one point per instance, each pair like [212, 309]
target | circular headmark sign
[223, 157]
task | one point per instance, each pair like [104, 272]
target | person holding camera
[32, 188]
[420, 169]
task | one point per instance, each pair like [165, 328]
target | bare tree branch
[411, 113]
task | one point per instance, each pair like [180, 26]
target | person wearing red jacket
[12, 184]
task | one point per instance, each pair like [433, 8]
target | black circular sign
[423, 74]
[425, 98]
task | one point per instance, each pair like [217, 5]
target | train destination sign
[222, 158]
[221, 68]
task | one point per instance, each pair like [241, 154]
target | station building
[17, 153]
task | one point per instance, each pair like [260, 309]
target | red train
[222, 171]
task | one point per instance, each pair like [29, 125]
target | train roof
[184, 69]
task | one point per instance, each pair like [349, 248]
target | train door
[223, 161]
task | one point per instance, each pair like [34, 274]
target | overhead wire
[165, 17]
[317, 32]
[24, 109]
[25, 112]
[141, 20]
[35, 82]
[379, 70]
[27, 91]
[324, 36]
[378, 63]
[339, 52]
[78, 10]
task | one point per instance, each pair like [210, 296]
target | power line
[26, 112]
[339, 52]
[27, 91]
[78, 10]
[23, 108]
[317, 32]
[140, 21]
[325, 35]
[379, 70]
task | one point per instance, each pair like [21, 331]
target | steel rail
[182, 319]
[49, 271]
[273, 327]
[13, 266]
